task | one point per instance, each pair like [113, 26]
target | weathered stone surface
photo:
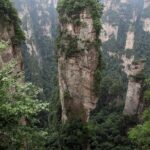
[133, 97]
[11, 51]
[129, 40]
[108, 32]
[146, 24]
[76, 73]
[135, 89]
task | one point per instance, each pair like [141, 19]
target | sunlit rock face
[11, 51]
[76, 72]
[39, 22]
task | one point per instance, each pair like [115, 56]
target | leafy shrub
[3, 46]
[19, 108]
[140, 134]
[108, 128]
[73, 135]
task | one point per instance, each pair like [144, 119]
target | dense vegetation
[19, 108]
[3, 46]
[140, 135]
[23, 115]
[109, 129]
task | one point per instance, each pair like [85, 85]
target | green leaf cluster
[3, 46]
[19, 108]
[107, 129]
[141, 133]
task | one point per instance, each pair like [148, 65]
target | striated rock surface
[76, 67]
[135, 89]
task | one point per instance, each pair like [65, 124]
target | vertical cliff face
[78, 60]
[8, 51]
[10, 36]
[125, 38]
[134, 95]
[39, 22]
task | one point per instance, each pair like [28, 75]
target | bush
[3, 46]
[19, 108]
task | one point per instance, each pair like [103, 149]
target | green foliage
[73, 135]
[108, 129]
[55, 121]
[147, 95]
[9, 15]
[140, 135]
[3, 46]
[19, 108]
[97, 79]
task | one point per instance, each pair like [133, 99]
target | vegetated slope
[39, 22]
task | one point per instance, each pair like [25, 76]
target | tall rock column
[11, 36]
[79, 57]
[135, 88]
